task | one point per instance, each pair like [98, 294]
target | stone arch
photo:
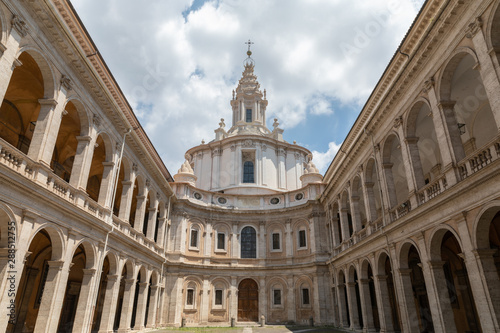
[403, 252]
[469, 117]
[57, 240]
[342, 298]
[90, 253]
[128, 267]
[481, 226]
[394, 169]
[46, 69]
[436, 238]
[124, 175]
[492, 30]
[6, 218]
[101, 167]
[84, 115]
[422, 143]
[445, 79]
[368, 284]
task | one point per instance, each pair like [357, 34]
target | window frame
[193, 304]
[197, 245]
[224, 249]
[255, 242]
[304, 304]
[214, 301]
[247, 114]
[246, 165]
[273, 297]
[299, 246]
[280, 246]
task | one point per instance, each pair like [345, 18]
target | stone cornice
[101, 72]
[427, 31]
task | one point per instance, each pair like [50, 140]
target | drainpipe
[109, 221]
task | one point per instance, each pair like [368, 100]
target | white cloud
[184, 68]
[323, 160]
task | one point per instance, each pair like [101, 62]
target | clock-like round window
[197, 196]
[274, 201]
[299, 196]
[222, 200]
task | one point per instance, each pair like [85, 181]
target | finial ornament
[221, 124]
[249, 43]
[276, 124]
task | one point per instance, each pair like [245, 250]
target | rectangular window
[276, 241]
[194, 238]
[277, 297]
[302, 238]
[249, 116]
[305, 296]
[221, 241]
[190, 297]
[218, 297]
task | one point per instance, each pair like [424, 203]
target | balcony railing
[479, 159]
[17, 161]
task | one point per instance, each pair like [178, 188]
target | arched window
[248, 243]
[248, 117]
[248, 172]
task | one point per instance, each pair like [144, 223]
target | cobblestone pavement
[268, 329]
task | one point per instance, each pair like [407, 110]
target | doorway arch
[248, 300]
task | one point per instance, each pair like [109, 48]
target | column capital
[474, 27]
[446, 104]
[47, 102]
[387, 165]
[404, 271]
[57, 264]
[85, 138]
[112, 278]
[435, 264]
[88, 271]
[484, 253]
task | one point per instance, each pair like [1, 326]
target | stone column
[431, 287]
[126, 200]
[150, 233]
[409, 314]
[85, 305]
[140, 212]
[356, 216]
[342, 305]
[234, 242]
[153, 305]
[110, 303]
[127, 307]
[205, 295]
[281, 154]
[107, 184]
[450, 121]
[291, 303]
[371, 211]
[262, 297]
[485, 307]
[261, 249]
[52, 299]
[233, 298]
[389, 184]
[407, 163]
[317, 309]
[80, 172]
[22, 309]
[486, 67]
[8, 60]
[384, 304]
[353, 309]
[344, 224]
[44, 131]
[161, 231]
[335, 230]
[366, 305]
[216, 153]
[288, 239]
[446, 321]
[207, 244]
[141, 306]
[415, 163]
[489, 275]
[443, 139]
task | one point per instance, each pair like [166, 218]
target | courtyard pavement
[254, 329]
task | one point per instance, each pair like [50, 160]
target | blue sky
[178, 61]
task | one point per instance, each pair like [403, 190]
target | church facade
[401, 234]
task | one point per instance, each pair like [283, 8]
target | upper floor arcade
[427, 127]
[66, 127]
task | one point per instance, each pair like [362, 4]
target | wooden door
[248, 301]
